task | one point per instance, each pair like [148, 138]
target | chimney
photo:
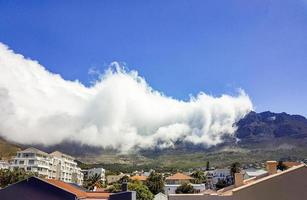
[239, 177]
[124, 186]
[271, 167]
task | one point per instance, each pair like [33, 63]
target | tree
[185, 188]
[93, 181]
[281, 166]
[207, 166]
[155, 183]
[221, 184]
[234, 168]
[142, 191]
[114, 188]
[199, 177]
[8, 177]
[125, 178]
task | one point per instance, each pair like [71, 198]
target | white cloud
[120, 110]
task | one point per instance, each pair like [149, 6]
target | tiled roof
[139, 178]
[179, 176]
[79, 193]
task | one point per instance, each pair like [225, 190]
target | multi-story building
[55, 165]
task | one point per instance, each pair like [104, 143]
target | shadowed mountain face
[272, 127]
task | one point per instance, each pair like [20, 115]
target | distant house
[174, 181]
[283, 185]
[114, 178]
[178, 178]
[35, 188]
[139, 178]
[216, 175]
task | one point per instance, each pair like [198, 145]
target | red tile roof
[139, 178]
[79, 193]
[179, 176]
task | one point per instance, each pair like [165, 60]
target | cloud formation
[119, 110]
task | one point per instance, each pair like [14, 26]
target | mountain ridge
[262, 135]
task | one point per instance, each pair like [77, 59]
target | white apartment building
[96, 171]
[55, 165]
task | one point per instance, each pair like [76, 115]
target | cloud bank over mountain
[119, 110]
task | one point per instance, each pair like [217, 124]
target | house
[160, 196]
[174, 181]
[139, 178]
[95, 171]
[216, 175]
[281, 185]
[178, 178]
[114, 178]
[52, 166]
[35, 188]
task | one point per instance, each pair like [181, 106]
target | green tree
[199, 177]
[142, 191]
[125, 178]
[116, 187]
[281, 166]
[185, 188]
[207, 166]
[221, 184]
[234, 168]
[8, 177]
[155, 183]
[93, 181]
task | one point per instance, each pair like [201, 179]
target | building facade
[55, 165]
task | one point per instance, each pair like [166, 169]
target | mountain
[259, 137]
[270, 129]
[7, 149]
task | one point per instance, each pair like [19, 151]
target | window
[28, 168]
[21, 162]
[31, 162]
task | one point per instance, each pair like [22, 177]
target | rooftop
[179, 176]
[139, 178]
[78, 191]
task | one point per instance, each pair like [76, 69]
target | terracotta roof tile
[179, 176]
[79, 193]
[139, 178]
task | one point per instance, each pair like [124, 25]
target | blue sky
[180, 47]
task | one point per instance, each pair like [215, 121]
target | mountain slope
[270, 129]
[7, 149]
